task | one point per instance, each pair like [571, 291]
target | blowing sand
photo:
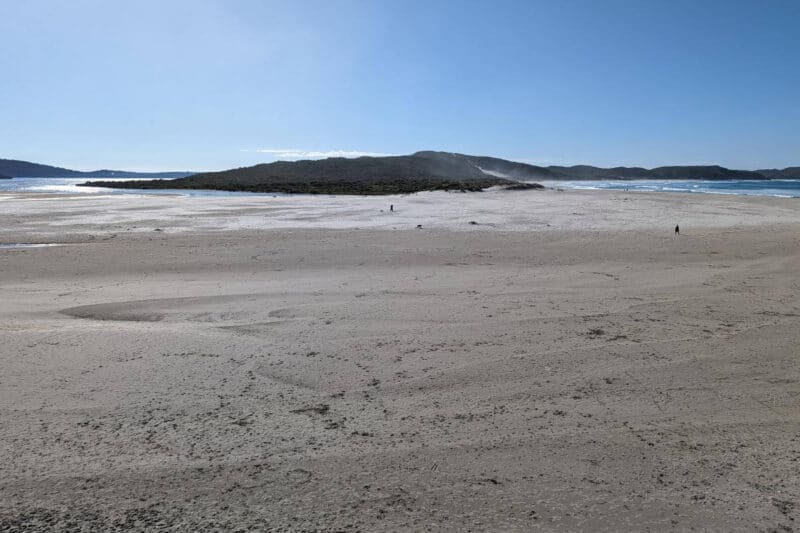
[565, 364]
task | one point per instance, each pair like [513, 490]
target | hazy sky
[205, 84]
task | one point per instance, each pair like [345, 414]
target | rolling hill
[25, 169]
[426, 170]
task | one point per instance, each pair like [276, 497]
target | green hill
[25, 169]
[786, 173]
[427, 170]
[363, 175]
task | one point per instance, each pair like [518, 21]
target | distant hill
[427, 170]
[4, 177]
[586, 172]
[788, 173]
[363, 175]
[25, 169]
[704, 173]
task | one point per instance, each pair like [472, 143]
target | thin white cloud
[311, 154]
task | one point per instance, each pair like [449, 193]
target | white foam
[16, 246]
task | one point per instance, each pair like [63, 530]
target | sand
[567, 363]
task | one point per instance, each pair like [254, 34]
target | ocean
[70, 186]
[780, 188]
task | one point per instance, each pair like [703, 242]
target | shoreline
[536, 210]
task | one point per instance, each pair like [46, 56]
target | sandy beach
[319, 363]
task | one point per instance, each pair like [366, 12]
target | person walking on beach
[391, 208]
[677, 230]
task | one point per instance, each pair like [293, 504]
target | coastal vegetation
[421, 171]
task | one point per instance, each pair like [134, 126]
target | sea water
[781, 188]
[22, 245]
[70, 186]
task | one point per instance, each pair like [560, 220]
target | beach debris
[523, 186]
[320, 409]
[334, 424]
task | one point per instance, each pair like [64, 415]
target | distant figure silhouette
[391, 208]
[677, 230]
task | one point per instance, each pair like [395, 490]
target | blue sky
[206, 84]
